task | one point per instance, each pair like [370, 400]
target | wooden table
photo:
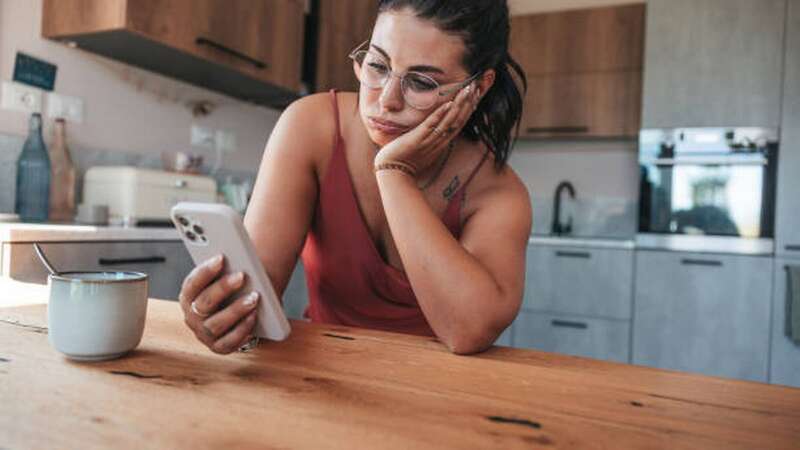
[337, 387]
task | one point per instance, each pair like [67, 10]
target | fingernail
[216, 261]
[251, 299]
[448, 105]
[236, 278]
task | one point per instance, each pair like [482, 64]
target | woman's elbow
[469, 344]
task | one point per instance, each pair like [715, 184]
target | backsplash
[595, 217]
[11, 146]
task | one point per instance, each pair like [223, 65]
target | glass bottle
[33, 176]
[62, 176]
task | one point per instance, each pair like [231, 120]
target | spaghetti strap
[475, 170]
[337, 137]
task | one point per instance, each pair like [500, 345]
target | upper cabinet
[249, 49]
[787, 226]
[584, 71]
[713, 63]
[342, 25]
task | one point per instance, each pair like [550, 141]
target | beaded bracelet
[395, 166]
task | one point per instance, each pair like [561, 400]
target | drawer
[605, 339]
[579, 280]
[166, 262]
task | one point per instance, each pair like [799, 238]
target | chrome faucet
[558, 228]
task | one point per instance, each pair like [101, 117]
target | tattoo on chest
[451, 188]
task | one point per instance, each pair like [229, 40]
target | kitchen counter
[341, 387]
[29, 232]
[622, 244]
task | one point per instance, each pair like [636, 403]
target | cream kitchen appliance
[144, 197]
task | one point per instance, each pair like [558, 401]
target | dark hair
[484, 27]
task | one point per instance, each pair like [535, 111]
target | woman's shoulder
[493, 185]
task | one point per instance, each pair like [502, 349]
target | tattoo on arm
[451, 188]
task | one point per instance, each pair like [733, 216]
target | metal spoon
[44, 260]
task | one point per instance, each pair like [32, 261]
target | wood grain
[337, 387]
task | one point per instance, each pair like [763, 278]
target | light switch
[68, 108]
[202, 137]
[19, 97]
[226, 141]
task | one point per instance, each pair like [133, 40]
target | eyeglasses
[419, 90]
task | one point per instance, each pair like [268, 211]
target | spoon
[44, 260]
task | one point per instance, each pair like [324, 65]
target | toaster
[137, 196]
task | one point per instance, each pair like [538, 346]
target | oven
[708, 185]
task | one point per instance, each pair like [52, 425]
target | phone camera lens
[182, 220]
[198, 229]
[191, 236]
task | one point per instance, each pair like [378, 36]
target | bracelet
[395, 166]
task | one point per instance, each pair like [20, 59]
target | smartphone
[210, 229]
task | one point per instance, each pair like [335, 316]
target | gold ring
[193, 307]
[437, 130]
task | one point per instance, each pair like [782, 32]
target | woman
[401, 225]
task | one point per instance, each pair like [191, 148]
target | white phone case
[208, 229]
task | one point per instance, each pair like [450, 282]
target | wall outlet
[202, 137]
[19, 97]
[68, 108]
[226, 141]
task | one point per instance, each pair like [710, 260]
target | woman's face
[407, 43]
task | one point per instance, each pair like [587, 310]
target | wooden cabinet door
[788, 206]
[784, 354]
[592, 104]
[343, 24]
[703, 313]
[712, 63]
[260, 38]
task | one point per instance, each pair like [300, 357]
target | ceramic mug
[94, 316]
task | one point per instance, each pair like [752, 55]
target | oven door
[719, 198]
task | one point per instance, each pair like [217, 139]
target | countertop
[28, 232]
[622, 244]
[341, 387]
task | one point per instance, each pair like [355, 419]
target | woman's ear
[356, 70]
[485, 82]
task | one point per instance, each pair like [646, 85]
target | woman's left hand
[420, 147]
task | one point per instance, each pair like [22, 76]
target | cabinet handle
[227, 50]
[560, 130]
[701, 262]
[569, 324]
[582, 255]
[793, 248]
[124, 261]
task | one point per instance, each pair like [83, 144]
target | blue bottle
[33, 176]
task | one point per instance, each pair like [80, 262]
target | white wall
[126, 109]
[519, 7]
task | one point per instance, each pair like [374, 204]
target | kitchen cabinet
[343, 24]
[787, 226]
[165, 263]
[713, 63]
[579, 280]
[703, 313]
[249, 49]
[573, 335]
[784, 353]
[584, 70]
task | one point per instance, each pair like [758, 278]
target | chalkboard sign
[34, 72]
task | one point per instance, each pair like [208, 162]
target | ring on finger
[193, 307]
[437, 130]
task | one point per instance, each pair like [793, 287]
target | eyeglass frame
[401, 77]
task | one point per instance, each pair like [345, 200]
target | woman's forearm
[458, 296]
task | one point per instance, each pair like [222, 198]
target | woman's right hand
[202, 294]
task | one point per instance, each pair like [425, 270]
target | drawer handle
[569, 324]
[582, 255]
[229, 51]
[124, 261]
[701, 262]
[793, 248]
[559, 130]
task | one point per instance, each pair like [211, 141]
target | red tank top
[348, 281]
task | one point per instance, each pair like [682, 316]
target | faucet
[558, 228]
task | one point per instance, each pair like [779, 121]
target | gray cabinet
[573, 335]
[295, 296]
[713, 63]
[788, 207]
[579, 280]
[703, 313]
[166, 262]
[784, 354]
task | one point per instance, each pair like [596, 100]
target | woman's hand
[203, 291]
[420, 147]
